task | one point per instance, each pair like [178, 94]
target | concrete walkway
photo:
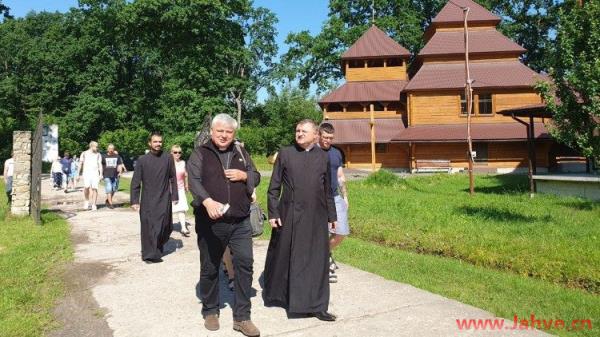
[132, 298]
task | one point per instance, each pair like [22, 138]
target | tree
[5, 11]
[117, 65]
[576, 75]
[314, 60]
[278, 117]
[251, 60]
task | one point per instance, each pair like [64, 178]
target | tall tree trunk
[238, 103]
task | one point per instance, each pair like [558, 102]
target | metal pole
[469, 98]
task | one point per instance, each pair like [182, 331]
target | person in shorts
[90, 169]
[339, 191]
[111, 170]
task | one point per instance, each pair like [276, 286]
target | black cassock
[297, 267]
[154, 177]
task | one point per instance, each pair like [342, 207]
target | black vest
[220, 189]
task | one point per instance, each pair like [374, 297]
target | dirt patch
[78, 312]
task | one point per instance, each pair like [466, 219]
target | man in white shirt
[91, 171]
[9, 170]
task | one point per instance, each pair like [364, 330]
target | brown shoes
[247, 328]
[211, 322]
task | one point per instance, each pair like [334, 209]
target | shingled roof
[375, 43]
[357, 131]
[480, 41]
[479, 132]
[510, 74]
[374, 91]
[452, 12]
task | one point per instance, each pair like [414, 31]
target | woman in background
[74, 173]
[182, 186]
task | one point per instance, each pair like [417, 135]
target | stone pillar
[21, 200]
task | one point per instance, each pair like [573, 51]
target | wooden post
[469, 97]
[530, 161]
[410, 157]
[373, 139]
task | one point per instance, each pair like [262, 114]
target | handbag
[257, 219]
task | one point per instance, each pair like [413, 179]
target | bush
[383, 178]
[263, 140]
[130, 142]
[184, 140]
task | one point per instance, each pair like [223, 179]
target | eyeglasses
[176, 152]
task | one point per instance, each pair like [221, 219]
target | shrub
[383, 178]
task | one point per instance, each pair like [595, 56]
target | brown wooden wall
[500, 154]
[359, 156]
[376, 73]
[443, 107]
[509, 155]
[361, 115]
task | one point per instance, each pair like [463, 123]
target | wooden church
[422, 117]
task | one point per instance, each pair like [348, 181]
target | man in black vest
[222, 178]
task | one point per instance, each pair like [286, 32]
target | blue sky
[294, 15]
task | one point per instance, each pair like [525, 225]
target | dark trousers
[57, 179]
[213, 238]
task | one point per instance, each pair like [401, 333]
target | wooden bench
[432, 165]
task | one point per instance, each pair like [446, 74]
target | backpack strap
[239, 150]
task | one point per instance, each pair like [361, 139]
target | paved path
[136, 299]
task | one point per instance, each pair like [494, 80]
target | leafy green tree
[281, 112]
[5, 11]
[576, 74]
[110, 65]
[250, 61]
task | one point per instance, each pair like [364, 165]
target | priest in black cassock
[154, 178]
[301, 207]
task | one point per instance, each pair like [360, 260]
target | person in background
[153, 193]
[338, 190]
[74, 173]
[9, 170]
[182, 186]
[57, 175]
[111, 170]
[90, 169]
[65, 164]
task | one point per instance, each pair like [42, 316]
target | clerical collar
[310, 147]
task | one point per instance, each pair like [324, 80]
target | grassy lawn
[261, 162]
[549, 238]
[31, 261]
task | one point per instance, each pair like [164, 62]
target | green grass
[547, 237]
[261, 162]
[32, 259]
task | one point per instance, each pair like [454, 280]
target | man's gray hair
[224, 119]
